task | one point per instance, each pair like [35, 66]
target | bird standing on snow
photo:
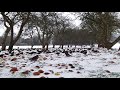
[67, 54]
[12, 53]
[58, 53]
[34, 58]
[84, 52]
[39, 52]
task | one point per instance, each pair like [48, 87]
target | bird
[12, 53]
[84, 52]
[63, 51]
[21, 52]
[18, 50]
[58, 53]
[39, 52]
[32, 52]
[71, 66]
[67, 54]
[89, 48]
[54, 51]
[47, 51]
[17, 54]
[73, 50]
[6, 53]
[34, 58]
[95, 51]
[70, 51]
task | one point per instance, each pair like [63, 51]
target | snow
[39, 46]
[116, 46]
[105, 64]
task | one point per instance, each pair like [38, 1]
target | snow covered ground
[102, 64]
[116, 46]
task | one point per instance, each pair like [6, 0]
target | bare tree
[103, 23]
[6, 21]
[44, 23]
[12, 19]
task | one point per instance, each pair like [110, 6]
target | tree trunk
[11, 41]
[43, 47]
[62, 46]
[32, 43]
[68, 46]
[59, 46]
[3, 46]
[47, 43]
[31, 40]
[5, 38]
[43, 42]
[109, 45]
[53, 45]
[11, 48]
[47, 47]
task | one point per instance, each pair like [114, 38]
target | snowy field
[100, 63]
[50, 46]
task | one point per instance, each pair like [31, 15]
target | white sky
[75, 21]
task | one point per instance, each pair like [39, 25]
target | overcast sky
[75, 21]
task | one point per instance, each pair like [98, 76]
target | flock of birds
[58, 51]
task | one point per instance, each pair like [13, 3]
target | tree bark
[53, 45]
[43, 47]
[43, 41]
[5, 38]
[11, 41]
[10, 48]
[32, 42]
[68, 46]
[62, 46]
[47, 46]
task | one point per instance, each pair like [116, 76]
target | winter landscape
[59, 45]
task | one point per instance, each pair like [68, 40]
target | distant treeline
[68, 37]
